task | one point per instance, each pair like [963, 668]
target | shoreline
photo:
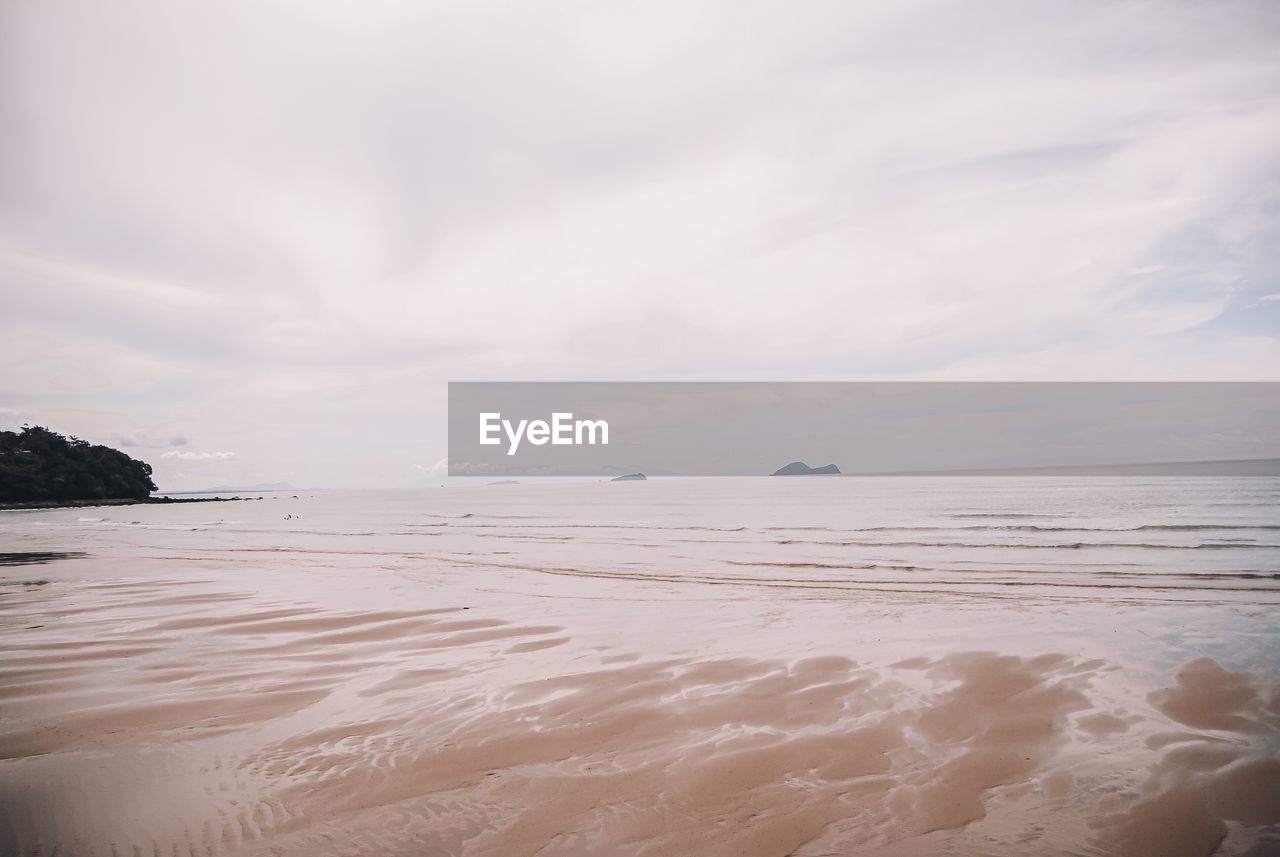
[89, 504]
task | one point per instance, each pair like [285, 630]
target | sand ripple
[172, 716]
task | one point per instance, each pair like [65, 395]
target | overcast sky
[253, 241]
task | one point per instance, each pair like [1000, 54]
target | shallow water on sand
[906, 666]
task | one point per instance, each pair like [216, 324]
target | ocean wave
[974, 574]
[1032, 545]
[1004, 515]
[462, 515]
[1029, 528]
[1035, 528]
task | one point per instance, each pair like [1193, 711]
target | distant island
[40, 468]
[506, 482]
[1212, 467]
[630, 477]
[799, 468]
[230, 489]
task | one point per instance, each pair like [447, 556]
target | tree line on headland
[38, 465]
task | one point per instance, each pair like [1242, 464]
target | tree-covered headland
[38, 466]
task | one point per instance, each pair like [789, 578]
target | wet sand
[325, 703]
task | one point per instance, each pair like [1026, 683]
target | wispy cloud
[191, 455]
[439, 468]
[143, 440]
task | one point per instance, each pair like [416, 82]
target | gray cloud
[146, 441]
[287, 224]
[192, 455]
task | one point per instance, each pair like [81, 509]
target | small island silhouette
[630, 477]
[799, 468]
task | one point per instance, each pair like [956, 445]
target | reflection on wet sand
[1208, 783]
[162, 717]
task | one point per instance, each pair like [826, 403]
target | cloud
[439, 468]
[1271, 297]
[403, 194]
[143, 440]
[190, 455]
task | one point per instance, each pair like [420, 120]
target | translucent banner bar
[830, 428]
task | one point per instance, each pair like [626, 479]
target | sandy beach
[503, 672]
[685, 429]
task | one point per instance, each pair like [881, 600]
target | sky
[253, 241]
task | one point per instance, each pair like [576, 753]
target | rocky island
[799, 468]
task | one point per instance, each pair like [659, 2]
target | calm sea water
[1193, 538]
